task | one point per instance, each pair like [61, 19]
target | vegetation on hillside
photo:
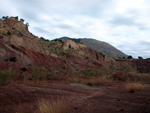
[58, 60]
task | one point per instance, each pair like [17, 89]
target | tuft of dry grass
[52, 106]
[132, 87]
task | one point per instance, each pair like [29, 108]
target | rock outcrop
[18, 43]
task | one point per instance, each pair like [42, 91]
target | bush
[112, 67]
[63, 53]
[5, 18]
[37, 73]
[129, 57]
[102, 54]
[20, 33]
[24, 69]
[12, 59]
[7, 76]
[27, 24]
[16, 17]
[132, 87]
[59, 40]
[88, 73]
[139, 57]
[22, 20]
[81, 42]
[8, 33]
[53, 106]
[44, 39]
[69, 46]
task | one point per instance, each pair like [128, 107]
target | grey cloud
[73, 8]
[140, 48]
[64, 26]
[27, 9]
[41, 30]
[89, 18]
[144, 43]
[120, 20]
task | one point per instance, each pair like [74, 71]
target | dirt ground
[79, 98]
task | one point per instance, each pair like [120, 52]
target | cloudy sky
[124, 24]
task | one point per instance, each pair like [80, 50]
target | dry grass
[132, 87]
[52, 106]
[92, 80]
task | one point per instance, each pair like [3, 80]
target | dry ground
[109, 99]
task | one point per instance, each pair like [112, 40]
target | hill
[99, 46]
[28, 57]
[20, 50]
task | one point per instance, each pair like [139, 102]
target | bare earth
[79, 99]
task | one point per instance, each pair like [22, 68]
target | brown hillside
[20, 49]
[18, 43]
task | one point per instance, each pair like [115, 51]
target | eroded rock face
[138, 65]
[23, 49]
[14, 32]
[143, 65]
[71, 44]
[18, 43]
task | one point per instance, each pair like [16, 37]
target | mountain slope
[17, 43]
[103, 47]
[99, 46]
[55, 60]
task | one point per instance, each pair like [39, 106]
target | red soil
[112, 99]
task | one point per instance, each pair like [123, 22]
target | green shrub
[16, 17]
[99, 72]
[87, 57]
[50, 69]
[13, 28]
[112, 67]
[63, 52]
[102, 54]
[69, 46]
[5, 18]
[129, 57]
[12, 59]
[90, 64]
[27, 24]
[61, 71]
[88, 72]
[44, 39]
[139, 57]
[116, 68]
[37, 73]
[20, 33]
[22, 20]
[81, 42]
[24, 69]
[7, 76]
[59, 40]
[8, 33]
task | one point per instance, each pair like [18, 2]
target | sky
[125, 24]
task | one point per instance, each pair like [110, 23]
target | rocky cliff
[18, 43]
